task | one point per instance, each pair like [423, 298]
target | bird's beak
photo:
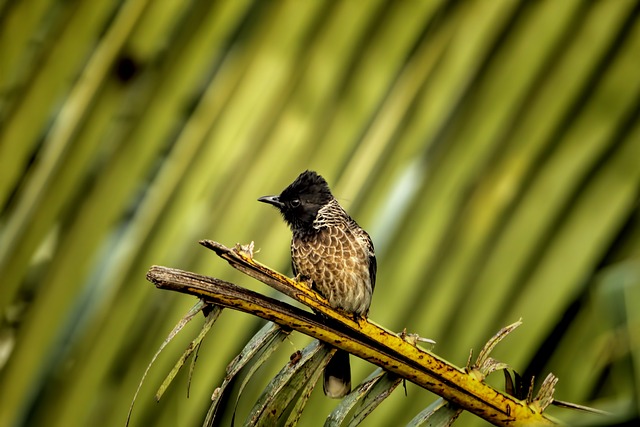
[272, 200]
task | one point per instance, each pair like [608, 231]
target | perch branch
[359, 337]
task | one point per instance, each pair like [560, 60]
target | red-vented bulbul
[331, 250]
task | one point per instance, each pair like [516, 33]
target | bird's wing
[364, 237]
[373, 267]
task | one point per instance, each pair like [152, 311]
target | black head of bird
[300, 202]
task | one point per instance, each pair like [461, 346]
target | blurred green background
[491, 149]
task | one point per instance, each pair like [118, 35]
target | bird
[333, 253]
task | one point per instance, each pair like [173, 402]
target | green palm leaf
[489, 147]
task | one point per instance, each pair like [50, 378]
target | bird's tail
[337, 375]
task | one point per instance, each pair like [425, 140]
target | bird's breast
[337, 262]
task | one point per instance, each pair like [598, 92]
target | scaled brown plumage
[332, 251]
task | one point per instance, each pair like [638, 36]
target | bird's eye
[295, 203]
